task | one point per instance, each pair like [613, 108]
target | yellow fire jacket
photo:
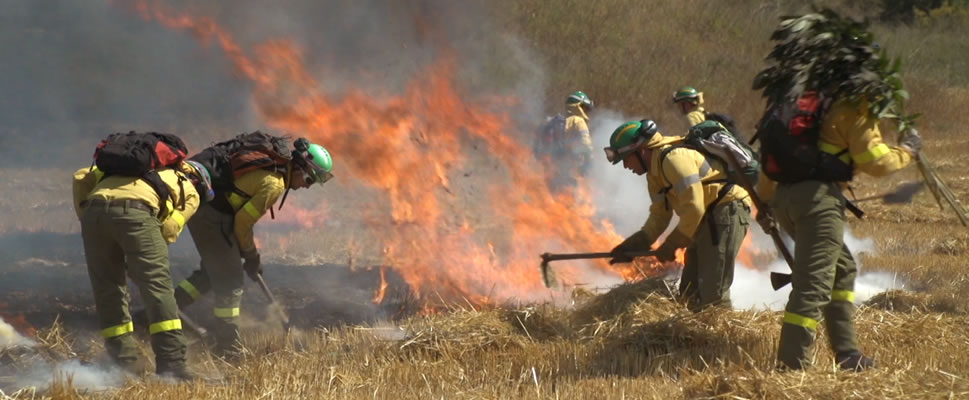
[696, 116]
[684, 183]
[577, 130]
[849, 125]
[90, 184]
[263, 189]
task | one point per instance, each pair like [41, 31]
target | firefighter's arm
[659, 214]
[695, 117]
[868, 151]
[682, 169]
[575, 126]
[85, 179]
[175, 223]
[270, 187]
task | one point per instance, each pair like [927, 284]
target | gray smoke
[73, 72]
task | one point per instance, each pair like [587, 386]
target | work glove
[638, 241]
[252, 264]
[170, 230]
[911, 142]
[673, 242]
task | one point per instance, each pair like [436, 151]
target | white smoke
[751, 286]
[34, 371]
[621, 197]
[9, 337]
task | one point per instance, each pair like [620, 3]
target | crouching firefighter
[815, 135]
[714, 213]
[130, 208]
[249, 173]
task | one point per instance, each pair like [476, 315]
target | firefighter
[811, 209]
[223, 234]
[577, 139]
[689, 101]
[714, 213]
[123, 236]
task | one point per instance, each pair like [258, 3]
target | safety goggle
[616, 155]
[316, 175]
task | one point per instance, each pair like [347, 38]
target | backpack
[713, 139]
[227, 161]
[725, 120]
[550, 135]
[141, 155]
[789, 133]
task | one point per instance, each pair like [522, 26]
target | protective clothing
[317, 160]
[813, 213]
[636, 242]
[687, 93]
[577, 130]
[696, 188]
[122, 235]
[580, 98]
[629, 137]
[690, 95]
[133, 188]
[222, 241]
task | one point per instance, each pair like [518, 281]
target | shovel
[548, 275]
[272, 301]
[902, 195]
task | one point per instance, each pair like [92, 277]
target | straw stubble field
[638, 340]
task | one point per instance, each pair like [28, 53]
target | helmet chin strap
[639, 155]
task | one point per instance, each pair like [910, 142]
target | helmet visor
[616, 155]
[315, 174]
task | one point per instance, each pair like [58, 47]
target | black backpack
[550, 134]
[226, 161]
[714, 140]
[141, 155]
[789, 134]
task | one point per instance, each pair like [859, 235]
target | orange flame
[378, 296]
[410, 146]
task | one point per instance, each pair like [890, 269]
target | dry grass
[637, 341]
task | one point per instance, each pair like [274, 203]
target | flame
[411, 146]
[378, 296]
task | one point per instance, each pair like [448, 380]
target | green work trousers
[823, 278]
[221, 271]
[709, 268]
[120, 240]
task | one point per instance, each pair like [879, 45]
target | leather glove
[638, 241]
[911, 141]
[673, 242]
[252, 264]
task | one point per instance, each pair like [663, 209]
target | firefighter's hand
[766, 221]
[635, 242]
[252, 264]
[674, 242]
[911, 142]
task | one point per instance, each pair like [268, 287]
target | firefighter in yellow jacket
[809, 203]
[714, 214]
[223, 235]
[122, 236]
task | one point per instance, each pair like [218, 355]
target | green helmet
[315, 160]
[628, 137]
[579, 97]
[686, 93]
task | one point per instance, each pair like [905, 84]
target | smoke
[752, 290]
[31, 370]
[9, 337]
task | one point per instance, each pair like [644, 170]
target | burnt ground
[43, 277]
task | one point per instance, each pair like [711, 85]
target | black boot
[175, 371]
[854, 361]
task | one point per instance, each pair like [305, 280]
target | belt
[136, 204]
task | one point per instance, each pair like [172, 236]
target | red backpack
[141, 155]
[789, 134]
